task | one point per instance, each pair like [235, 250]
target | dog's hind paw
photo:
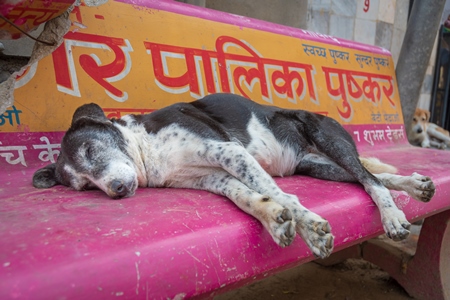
[316, 232]
[396, 226]
[420, 187]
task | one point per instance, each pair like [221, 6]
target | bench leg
[425, 275]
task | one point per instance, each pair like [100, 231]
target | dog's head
[420, 120]
[93, 155]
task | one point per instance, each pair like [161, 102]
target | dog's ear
[427, 115]
[92, 111]
[45, 177]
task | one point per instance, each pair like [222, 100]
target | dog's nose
[119, 188]
[419, 130]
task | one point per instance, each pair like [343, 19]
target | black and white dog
[230, 146]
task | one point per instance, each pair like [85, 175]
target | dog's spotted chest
[168, 156]
[171, 155]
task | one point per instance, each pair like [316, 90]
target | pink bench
[168, 243]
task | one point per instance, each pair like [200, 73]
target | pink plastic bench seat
[164, 243]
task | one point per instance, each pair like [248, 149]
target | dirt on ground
[353, 279]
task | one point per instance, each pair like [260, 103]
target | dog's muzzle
[417, 128]
[119, 189]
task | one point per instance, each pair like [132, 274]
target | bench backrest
[139, 56]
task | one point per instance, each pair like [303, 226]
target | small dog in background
[426, 134]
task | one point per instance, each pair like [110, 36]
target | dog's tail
[375, 166]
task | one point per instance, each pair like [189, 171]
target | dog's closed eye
[88, 186]
[89, 153]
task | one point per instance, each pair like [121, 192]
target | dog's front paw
[316, 232]
[395, 225]
[280, 225]
[285, 229]
[425, 144]
[421, 187]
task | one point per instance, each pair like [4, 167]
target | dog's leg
[426, 142]
[333, 141]
[394, 220]
[433, 132]
[437, 144]
[417, 186]
[275, 218]
[234, 159]
[322, 167]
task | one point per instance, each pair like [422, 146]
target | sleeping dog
[230, 146]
